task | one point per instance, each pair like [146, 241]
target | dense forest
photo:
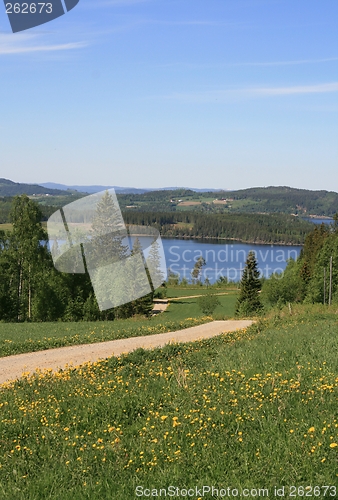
[6, 204]
[308, 279]
[253, 228]
[31, 289]
[254, 200]
[271, 199]
[285, 199]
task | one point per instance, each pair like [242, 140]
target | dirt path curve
[160, 305]
[195, 296]
[13, 367]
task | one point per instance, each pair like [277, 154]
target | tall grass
[251, 409]
[17, 338]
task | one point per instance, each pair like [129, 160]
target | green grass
[180, 291]
[225, 310]
[251, 409]
[17, 338]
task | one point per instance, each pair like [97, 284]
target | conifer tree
[248, 301]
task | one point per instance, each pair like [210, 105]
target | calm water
[225, 258]
[318, 221]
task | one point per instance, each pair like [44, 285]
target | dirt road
[12, 367]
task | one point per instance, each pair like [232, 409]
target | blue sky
[151, 93]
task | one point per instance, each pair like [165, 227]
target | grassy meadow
[255, 408]
[17, 338]
[190, 290]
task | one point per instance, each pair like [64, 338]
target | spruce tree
[248, 301]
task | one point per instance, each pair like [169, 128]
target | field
[27, 337]
[5, 227]
[252, 409]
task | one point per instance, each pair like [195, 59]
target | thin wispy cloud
[301, 89]
[288, 63]
[197, 66]
[28, 43]
[220, 95]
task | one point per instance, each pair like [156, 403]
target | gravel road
[13, 367]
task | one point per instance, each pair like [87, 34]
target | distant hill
[267, 200]
[119, 189]
[283, 199]
[94, 188]
[272, 199]
[10, 188]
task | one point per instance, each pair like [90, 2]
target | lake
[227, 258]
[224, 258]
[318, 220]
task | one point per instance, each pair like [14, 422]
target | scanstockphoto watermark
[290, 491]
[201, 492]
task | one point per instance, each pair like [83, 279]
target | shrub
[208, 303]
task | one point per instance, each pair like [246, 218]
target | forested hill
[284, 199]
[271, 199]
[10, 188]
[251, 228]
[254, 200]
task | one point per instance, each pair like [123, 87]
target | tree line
[6, 204]
[308, 279]
[252, 228]
[31, 289]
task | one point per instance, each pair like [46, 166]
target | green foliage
[258, 400]
[248, 302]
[208, 303]
[284, 287]
[315, 288]
[30, 287]
[255, 228]
[303, 280]
[197, 270]
[22, 257]
[271, 199]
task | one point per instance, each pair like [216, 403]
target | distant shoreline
[318, 217]
[251, 242]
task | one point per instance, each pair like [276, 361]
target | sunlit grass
[17, 338]
[254, 408]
